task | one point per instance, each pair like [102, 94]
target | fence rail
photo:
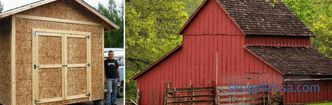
[227, 95]
[214, 95]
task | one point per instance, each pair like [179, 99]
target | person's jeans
[111, 91]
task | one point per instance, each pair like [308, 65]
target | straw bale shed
[51, 52]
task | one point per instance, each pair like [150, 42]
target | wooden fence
[214, 95]
[227, 95]
[190, 95]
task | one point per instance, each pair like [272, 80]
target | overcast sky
[10, 4]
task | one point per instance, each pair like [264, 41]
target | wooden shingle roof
[294, 60]
[259, 17]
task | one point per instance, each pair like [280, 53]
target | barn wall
[325, 93]
[278, 41]
[61, 10]
[211, 40]
[5, 61]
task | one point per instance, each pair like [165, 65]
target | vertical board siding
[211, 31]
[325, 93]
[277, 41]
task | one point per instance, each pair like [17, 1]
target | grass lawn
[327, 103]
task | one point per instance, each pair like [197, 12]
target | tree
[317, 15]
[1, 6]
[113, 39]
[151, 32]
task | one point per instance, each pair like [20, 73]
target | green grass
[327, 103]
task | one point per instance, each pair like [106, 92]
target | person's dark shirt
[111, 68]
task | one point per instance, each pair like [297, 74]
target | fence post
[215, 92]
[138, 97]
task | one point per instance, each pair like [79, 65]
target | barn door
[61, 62]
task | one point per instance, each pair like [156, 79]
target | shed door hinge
[89, 94]
[35, 66]
[35, 33]
[88, 36]
[88, 65]
[36, 102]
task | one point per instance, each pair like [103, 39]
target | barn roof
[258, 17]
[294, 60]
[44, 2]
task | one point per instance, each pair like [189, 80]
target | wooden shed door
[61, 62]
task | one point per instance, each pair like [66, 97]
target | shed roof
[294, 60]
[258, 17]
[44, 2]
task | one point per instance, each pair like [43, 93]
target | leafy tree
[113, 39]
[317, 15]
[151, 31]
[1, 6]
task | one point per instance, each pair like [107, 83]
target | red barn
[242, 41]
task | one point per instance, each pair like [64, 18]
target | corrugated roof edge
[158, 61]
[44, 2]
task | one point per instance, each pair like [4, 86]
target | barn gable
[210, 18]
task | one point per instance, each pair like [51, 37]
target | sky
[10, 4]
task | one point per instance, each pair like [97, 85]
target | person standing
[112, 77]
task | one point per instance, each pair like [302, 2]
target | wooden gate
[189, 96]
[239, 95]
[61, 62]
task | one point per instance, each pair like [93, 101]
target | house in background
[51, 53]
[242, 41]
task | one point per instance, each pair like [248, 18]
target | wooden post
[138, 98]
[13, 61]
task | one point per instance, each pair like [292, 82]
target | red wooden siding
[325, 93]
[211, 31]
[278, 41]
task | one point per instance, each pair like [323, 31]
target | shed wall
[24, 52]
[213, 50]
[62, 10]
[5, 61]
